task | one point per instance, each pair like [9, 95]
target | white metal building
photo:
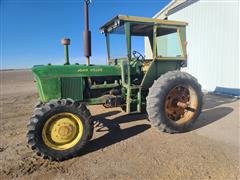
[213, 41]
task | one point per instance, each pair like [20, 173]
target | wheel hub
[65, 131]
[62, 131]
[178, 102]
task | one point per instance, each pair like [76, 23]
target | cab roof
[146, 23]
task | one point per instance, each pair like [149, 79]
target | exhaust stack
[87, 33]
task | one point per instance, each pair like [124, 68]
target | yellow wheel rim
[62, 131]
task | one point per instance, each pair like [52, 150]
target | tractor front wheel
[59, 129]
[174, 102]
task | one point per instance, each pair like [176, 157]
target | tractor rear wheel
[59, 129]
[174, 102]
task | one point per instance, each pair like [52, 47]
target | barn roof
[172, 7]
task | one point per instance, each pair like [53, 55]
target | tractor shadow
[210, 116]
[214, 100]
[114, 133]
[213, 110]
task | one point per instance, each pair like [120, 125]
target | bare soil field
[123, 147]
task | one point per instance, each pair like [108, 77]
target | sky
[31, 30]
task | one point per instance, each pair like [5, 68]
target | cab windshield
[118, 46]
[118, 43]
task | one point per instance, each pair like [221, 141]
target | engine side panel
[67, 81]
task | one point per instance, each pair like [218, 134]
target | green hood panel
[54, 71]
[62, 81]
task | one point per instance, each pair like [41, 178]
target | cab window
[168, 43]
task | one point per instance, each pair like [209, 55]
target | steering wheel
[138, 56]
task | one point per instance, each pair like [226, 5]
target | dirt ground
[123, 147]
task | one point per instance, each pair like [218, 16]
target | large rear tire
[174, 102]
[59, 129]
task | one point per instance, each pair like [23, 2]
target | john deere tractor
[61, 124]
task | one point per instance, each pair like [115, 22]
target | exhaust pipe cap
[65, 41]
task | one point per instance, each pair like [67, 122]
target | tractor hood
[54, 71]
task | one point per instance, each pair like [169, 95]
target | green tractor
[61, 124]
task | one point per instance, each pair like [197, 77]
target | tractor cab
[166, 40]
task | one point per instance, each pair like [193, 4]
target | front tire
[59, 129]
[174, 102]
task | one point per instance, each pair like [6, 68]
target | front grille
[72, 87]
